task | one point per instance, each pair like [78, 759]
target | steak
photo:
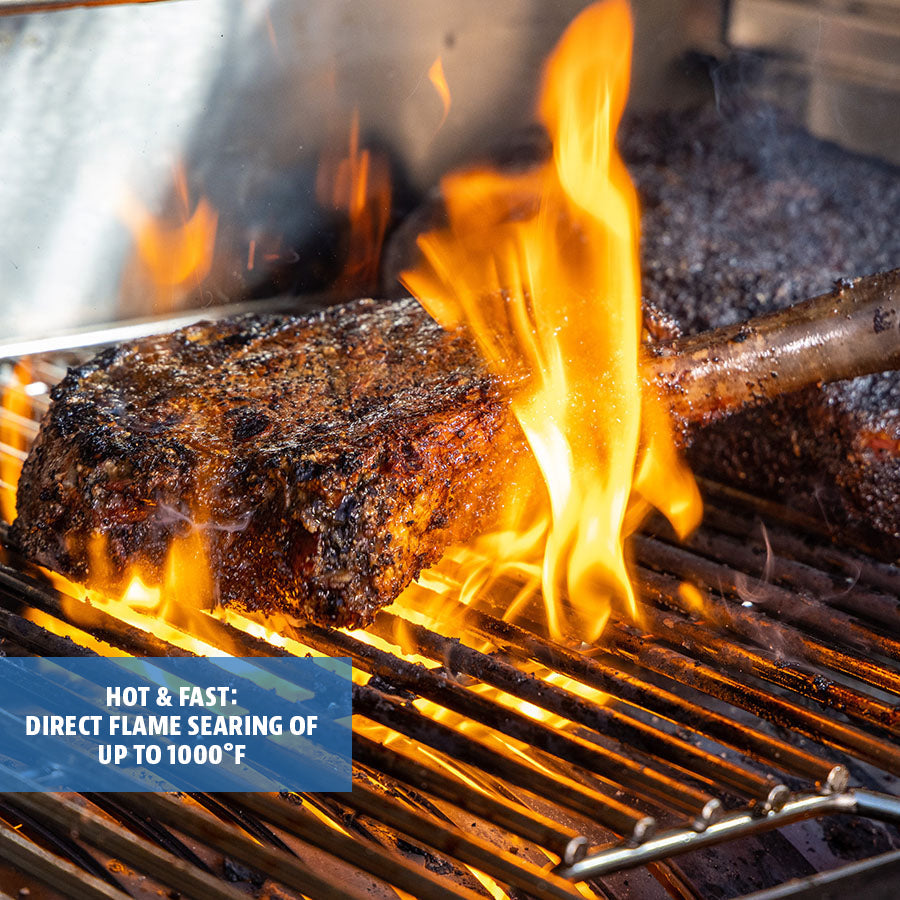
[325, 459]
[744, 212]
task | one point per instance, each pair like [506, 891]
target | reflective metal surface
[102, 104]
[844, 58]
[878, 806]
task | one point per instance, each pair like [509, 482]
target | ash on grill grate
[499, 763]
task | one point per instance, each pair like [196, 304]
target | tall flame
[543, 269]
[358, 184]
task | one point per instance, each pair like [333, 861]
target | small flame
[357, 184]
[543, 269]
[270, 31]
[174, 255]
[15, 412]
[438, 79]
[692, 597]
[173, 610]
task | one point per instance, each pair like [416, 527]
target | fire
[173, 255]
[15, 414]
[543, 269]
[693, 597]
[439, 80]
[357, 184]
[173, 611]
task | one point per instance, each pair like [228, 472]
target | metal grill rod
[665, 748]
[430, 684]
[605, 672]
[756, 826]
[170, 870]
[702, 643]
[791, 608]
[567, 843]
[591, 804]
[618, 816]
[865, 803]
[426, 829]
[288, 868]
[847, 738]
[832, 589]
[36, 861]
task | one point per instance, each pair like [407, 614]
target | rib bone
[853, 330]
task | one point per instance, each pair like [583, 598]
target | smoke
[747, 594]
[169, 515]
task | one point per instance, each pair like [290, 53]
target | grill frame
[808, 785]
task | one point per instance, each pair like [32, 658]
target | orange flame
[693, 597]
[438, 79]
[543, 269]
[173, 256]
[173, 610]
[15, 412]
[357, 184]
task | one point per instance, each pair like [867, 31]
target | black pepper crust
[326, 458]
[743, 213]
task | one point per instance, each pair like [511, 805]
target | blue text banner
[186, 724]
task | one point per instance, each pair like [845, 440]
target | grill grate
[499, 761]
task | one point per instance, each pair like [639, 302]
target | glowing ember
[357, 184]
[173, 256]
[543, 269]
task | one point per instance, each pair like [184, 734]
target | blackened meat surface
[746, 213]
[325, 459]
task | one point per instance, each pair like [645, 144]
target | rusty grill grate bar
[681, 731]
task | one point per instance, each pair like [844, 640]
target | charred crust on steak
[326, 459]
[744, 212]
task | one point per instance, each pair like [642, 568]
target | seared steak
[744, 212]
[326, 459]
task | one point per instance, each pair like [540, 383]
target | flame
[438, 79]
[181, 610]
[173, 611]
[693, 598]
[543, 269]
[15, 412]
[358, 185]
[174, 254]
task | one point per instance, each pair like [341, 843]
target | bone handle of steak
[854, 330]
